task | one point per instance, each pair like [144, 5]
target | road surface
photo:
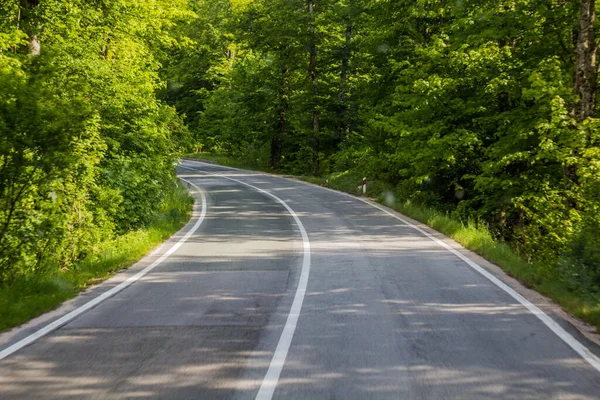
[290, 291]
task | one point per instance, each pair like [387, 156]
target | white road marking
[267, 388]
[566, 337]
[92, 303]
[579, 348]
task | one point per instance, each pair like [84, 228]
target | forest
[86, 144]
[484, 110]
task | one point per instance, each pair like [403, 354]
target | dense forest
[86, 145]
[483, 109]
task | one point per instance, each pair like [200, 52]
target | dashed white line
[92, 303]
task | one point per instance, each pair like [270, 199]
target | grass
[28, 298]
[470, 234]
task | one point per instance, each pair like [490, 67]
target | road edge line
[108, 294]
[558, 330]
[554, 326]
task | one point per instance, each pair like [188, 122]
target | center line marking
[585, 353]
[267, 388]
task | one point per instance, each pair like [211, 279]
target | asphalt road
[386, 313]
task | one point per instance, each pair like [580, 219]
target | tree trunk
[585, 62]
[277, 140]
[34, 46]
[585, 75]
[26, 8]
[342, 109]
[312, 70]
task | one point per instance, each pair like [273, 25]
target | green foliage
[86, 147]
[38, 293]
[465, 107]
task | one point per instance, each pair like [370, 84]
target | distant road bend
[281, 290]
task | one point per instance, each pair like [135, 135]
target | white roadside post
[364, 185]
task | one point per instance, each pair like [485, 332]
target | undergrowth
[32, 296]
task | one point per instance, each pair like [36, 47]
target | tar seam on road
[558, 330]
[92, 303]
[267, 388]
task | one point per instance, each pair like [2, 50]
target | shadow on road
[387, 315]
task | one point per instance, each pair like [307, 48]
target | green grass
[28, 298]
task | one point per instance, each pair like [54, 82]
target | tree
[585, 62]
[80, 125]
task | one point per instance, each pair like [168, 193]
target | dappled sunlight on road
[387, 314]
[202, 365]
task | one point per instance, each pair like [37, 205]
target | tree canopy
[86, 146]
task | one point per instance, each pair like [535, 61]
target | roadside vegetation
[87, 147]
[35, 294]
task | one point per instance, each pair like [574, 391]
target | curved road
[288, 291]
